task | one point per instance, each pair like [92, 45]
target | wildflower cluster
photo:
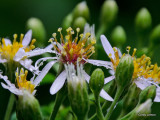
[133, 82]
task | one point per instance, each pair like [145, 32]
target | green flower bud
[155, 35]
[143, 21]
[79, 22]
[124, 71]
[78, 97]
[27, 107]
[38, 30]
[81, 10]
[141, 112]
[77, 91]
[118, 36]
[67, 22]
[108, 12]
[96, 82]
[148, 93]
[131, 98]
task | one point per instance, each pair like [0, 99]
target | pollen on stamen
[70, 49]
[8, 51]
[22, 83]
[128, 49]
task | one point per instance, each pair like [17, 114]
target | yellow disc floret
[22, 83]
[8, 51]
[142, 65]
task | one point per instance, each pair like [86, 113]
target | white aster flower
[22, 84]
[144, 73]
[69, 51]
[18, 52]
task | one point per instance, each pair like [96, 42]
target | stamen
[134, 52]
[128, 49]
[21, 38]
[15, 38]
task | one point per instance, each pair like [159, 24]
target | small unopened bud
[27, 107]
[109, 12]
[81, 10]
[67, 22]
[148, 93]
[142, 112]
[155, 35]
[124, 71]
[38, 30]
[131, 98]
[96, 82]
[118, 36]
[143, 21]
[79, 22]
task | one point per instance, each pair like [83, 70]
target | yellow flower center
[75, 49]
[9, 51]
[22, 83]
[142, 65]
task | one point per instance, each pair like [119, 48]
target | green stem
[98, 107]
[83, 118]
[9, 107]
[123, 113]
[61, 95]
[10, 73]
[118, 94]
[100, 31]
[127, 116]
[111, 91]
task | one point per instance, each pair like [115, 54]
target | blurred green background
[14, 15]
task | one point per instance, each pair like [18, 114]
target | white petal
[34, 92]
[43, 73]
[49, 46]
[105, 64]
[102, 93]
[19, 55]
[27, 38]
[58, 83]
[112, 72]
[108, 79]
[141, 83]
[157, 98]
[5, 78]
[107, 46]
[40, 61]
[27, 63]
[86, 29]
[105, 95]
[7, 41]
[3, 60]
[12, 89]
[119, 53]
[37, 52]
[4, 86]
[86, 76]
